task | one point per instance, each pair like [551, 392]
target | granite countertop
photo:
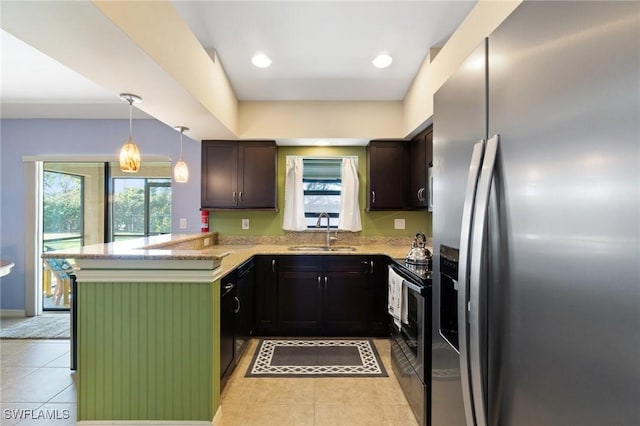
[158, 247]
[228, 253]
[235, 255]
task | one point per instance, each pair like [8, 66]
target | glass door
[63, 212]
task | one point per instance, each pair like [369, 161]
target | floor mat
[56, 326]
[316, 358]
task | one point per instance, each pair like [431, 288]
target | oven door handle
[413, 287]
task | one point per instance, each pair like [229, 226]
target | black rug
[316, 358]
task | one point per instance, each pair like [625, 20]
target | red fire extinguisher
[204, 220]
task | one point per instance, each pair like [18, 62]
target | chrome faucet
[329, 238]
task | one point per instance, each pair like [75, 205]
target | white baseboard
[12, 313]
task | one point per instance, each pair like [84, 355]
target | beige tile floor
[35, 378]
[374, 401]
[36, 385]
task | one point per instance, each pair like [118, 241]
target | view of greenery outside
[137, 199]
[62, 210]
[322, 185]
[321, 196]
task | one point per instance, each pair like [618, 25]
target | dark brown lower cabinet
[345, 295]
[378, 294]
[344, 303]
[266, 295]
[321, 295]
[299, 302]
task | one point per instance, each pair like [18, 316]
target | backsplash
[316, 238]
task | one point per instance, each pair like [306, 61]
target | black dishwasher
[245, 307]
[236, 316]
[227, 326]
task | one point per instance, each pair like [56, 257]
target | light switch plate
[183, 223]
[245, 223]
[398, 223]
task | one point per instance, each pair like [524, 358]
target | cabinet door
[266, 299]
[344, 301]
[421, 148]
[219, 181]
[345, 295]
[257, 175]
[299, 302]
[387, 174]
[378, 296]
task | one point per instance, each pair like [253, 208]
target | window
[141, 207]
[316, 185]
[322, 185]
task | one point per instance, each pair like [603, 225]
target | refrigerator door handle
[430, 189]
[463, 264]
[476, 290]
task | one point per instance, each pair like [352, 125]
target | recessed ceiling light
[261, 60]
[383, 60]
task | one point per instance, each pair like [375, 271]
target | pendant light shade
[181, 171]
[129, 153]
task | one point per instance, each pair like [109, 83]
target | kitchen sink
[322, 248]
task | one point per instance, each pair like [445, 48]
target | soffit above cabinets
[321, 50]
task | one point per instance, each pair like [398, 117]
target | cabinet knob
[373, 197]
[240, 200]
[273, 265]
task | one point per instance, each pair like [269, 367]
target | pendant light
[181, 171]
[129, 153]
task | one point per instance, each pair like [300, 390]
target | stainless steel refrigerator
[536, 222]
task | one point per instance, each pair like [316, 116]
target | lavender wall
[35, 137]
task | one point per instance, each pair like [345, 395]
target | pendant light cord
[130, 117]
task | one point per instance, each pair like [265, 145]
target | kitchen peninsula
[149, 322]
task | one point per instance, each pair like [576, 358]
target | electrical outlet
[245, 223]
[183, 223]
[398, 223]
[207, 242]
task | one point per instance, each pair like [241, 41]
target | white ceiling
[321, 50]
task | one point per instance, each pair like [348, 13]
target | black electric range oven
[410, 343]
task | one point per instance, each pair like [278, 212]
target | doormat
[316, 358]
[39, 327]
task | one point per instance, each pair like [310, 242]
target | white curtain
[294, 196]
[349, 206]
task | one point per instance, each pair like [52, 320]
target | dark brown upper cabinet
[238, 174]
[387, 174]
[421, 159]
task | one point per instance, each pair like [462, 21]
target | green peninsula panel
[146, 351]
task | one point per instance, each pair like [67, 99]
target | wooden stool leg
[67, 292]
[46, 282]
